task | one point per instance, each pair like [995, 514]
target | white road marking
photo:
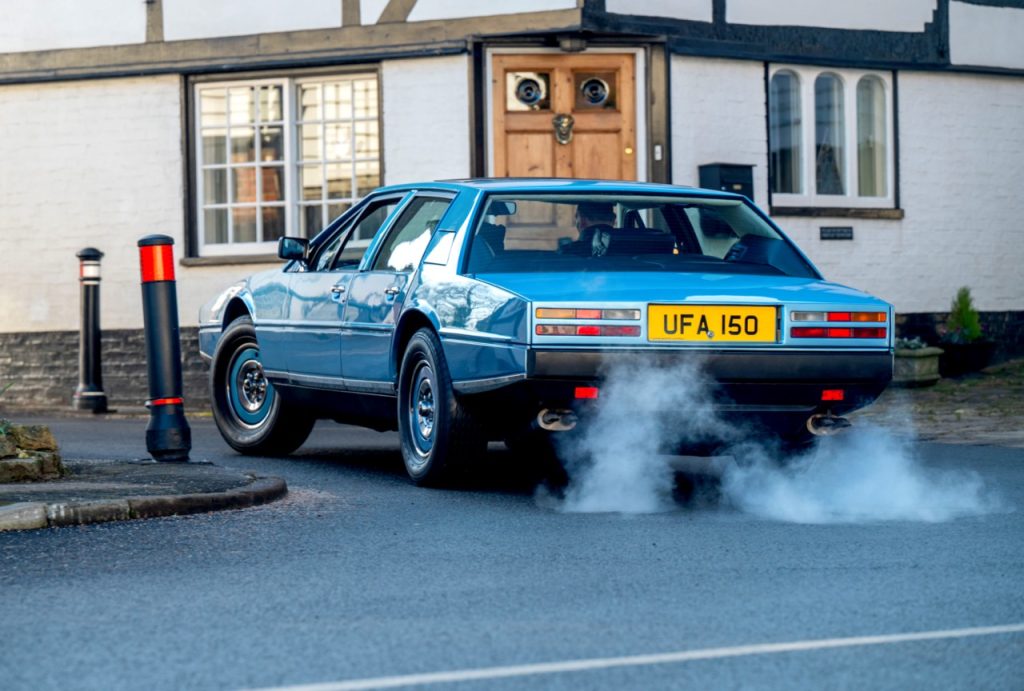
[586, 665]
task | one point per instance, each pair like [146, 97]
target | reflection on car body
[481, 308]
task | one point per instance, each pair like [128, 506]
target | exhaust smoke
[616, 464]
[617, 461]
[867, 474]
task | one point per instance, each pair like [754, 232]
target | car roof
[559, 185]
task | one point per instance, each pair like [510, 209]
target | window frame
[851, 199]
[197, 248]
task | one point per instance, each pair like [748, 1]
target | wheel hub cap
[252, 386]
[425, 408]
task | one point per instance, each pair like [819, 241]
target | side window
[408, 239]
[333, 255]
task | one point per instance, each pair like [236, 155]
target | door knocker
[563, 127]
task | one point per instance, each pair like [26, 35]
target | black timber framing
[862, 49]
[394, 37]
[283, 50]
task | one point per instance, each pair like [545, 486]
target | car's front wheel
[249, 413]
[438, 431]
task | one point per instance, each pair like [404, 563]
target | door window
[408, 240]
[337, 253]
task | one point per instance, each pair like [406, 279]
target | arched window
[829, 135]
[786, 136]
[871, 138]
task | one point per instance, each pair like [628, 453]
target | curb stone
[33, 515]
[23, 516]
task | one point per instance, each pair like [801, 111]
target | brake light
[586, 392]
[586, 330]
[833, 395]
[837, 332]
[878, 332]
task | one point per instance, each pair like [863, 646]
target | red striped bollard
[168, 437]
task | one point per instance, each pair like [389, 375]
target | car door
[376, 294]
[318, 296]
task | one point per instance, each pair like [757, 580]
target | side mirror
[292, 248]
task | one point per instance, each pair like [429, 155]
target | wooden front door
[567, 116]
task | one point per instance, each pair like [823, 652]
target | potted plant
[916, 363]
[965, 350]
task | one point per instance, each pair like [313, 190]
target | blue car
[461, 312]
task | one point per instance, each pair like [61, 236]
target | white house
[887, 138]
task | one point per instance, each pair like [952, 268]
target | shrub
[963, 324]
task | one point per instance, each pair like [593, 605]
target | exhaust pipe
[556, 420]
[824, 424]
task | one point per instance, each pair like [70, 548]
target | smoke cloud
[866, 474]
[620, 462]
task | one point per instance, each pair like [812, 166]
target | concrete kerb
[33, 515]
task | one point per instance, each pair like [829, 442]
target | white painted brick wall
[961, 159]
[91, 163]
[718, 116]
[961, 166]
[426, 118]
[100, 163]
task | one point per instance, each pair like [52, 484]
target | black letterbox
[728, 177]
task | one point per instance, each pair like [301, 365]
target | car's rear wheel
[438, 431]
[249, 413]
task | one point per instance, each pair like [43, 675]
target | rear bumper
[734, 366]
[779, 389]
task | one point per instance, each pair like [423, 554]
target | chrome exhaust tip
[825, 424]
[556, 420]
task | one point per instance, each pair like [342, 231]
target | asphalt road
[359, 575]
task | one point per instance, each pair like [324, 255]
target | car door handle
[392, 291]
[338, 290]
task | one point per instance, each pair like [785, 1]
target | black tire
[249, 413]
[438, 432]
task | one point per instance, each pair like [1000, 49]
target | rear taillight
[551, 321]
[586, 330]
[837, 332]
[876, 317]
[587, 313]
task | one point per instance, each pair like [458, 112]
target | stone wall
[1006, 329]
[42, 369]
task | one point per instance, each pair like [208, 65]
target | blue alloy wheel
[250, 413]
[250, 393]
[421, 411]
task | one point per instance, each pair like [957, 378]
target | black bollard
[89, 394]
[168, 437]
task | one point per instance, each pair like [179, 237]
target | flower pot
[962, 358]
[917, 367]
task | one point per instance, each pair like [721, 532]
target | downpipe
[827, 424]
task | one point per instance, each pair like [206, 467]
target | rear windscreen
[558, 232]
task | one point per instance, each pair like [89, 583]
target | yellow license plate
[711, 323]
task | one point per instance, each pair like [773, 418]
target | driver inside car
[594, 222]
